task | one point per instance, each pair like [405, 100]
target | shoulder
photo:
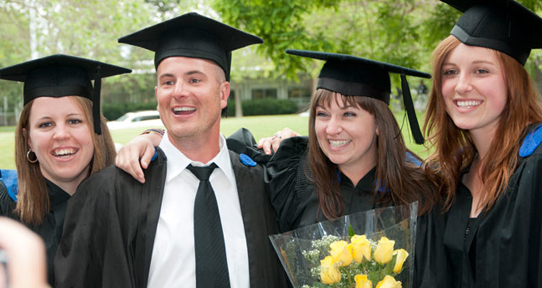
[245, 164]
[291, 150]
[7, 204]
[10, 182]
[531, 142]
[113, 177]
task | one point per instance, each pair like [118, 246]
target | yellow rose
[363, 282]
[360, 248]
[329, 272]
[402, 254]
[384, 250]
[389, 282]
[341, 253]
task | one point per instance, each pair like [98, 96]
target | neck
[482, 142]
[201, 149]
[68, 187]
[355, 174]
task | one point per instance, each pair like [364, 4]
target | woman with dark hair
[61, 138]
[484, 120]
[353, 160]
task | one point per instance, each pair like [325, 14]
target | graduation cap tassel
[96, 101]
[409, 106]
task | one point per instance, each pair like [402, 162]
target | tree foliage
[389, 31]
[280, 23]
[402, 32]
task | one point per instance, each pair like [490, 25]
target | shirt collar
[174, 168]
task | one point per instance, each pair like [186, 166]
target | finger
[136, 171]
[260, 143]
[287, 133]
[128, 161]
[266, 145]
[276, 144]
[147, 157]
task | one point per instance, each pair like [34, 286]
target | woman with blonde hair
[484, 120]
[61, 138]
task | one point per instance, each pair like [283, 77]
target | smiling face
[474, 88]
[191, 94]
[60, 136]
[346, 134]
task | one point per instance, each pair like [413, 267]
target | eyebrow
[191, 72]
[49, 117]
[474, 62]
[485, 62]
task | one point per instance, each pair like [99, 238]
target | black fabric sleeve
[286, 180]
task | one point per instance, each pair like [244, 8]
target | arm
[138, 153]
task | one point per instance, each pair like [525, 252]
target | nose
[179, 90]
[334, 126]
[463, 83]
[61, 132]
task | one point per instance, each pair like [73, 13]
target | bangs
[324, 97]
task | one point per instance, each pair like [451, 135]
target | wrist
[156, 131]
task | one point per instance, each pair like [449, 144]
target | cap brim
[18, 72]
[326, 56]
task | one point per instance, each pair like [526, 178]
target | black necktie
[211, 264]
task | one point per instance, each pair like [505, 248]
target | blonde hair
[33, 198]
[454, 149]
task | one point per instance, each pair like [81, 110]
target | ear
[224, 94]
[155, 92]
[377, 132]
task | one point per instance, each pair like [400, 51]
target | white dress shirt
[173, 262]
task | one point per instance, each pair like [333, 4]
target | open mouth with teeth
[183, 110]
[339, 143]
[64, 153]
[467, 104]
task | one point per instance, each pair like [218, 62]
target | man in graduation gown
[121, 233]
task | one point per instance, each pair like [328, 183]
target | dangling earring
[28, 156]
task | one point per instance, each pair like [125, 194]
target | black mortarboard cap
[192, 35]
[63, 75]
[502, 25]
[356, 76]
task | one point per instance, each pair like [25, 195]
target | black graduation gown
[294, 197]
[112, 219]
[295, 201]
[503, 246]
[50, 229]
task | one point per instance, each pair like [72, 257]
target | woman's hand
[137, 154]
[25, 253]
[270, 145]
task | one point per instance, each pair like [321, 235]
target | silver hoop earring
[28, 156]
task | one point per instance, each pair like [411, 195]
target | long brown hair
[33, 199]
[454, 148]
[406, 181]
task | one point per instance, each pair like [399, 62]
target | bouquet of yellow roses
[371, 249]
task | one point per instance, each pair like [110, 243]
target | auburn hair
[454, 148]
